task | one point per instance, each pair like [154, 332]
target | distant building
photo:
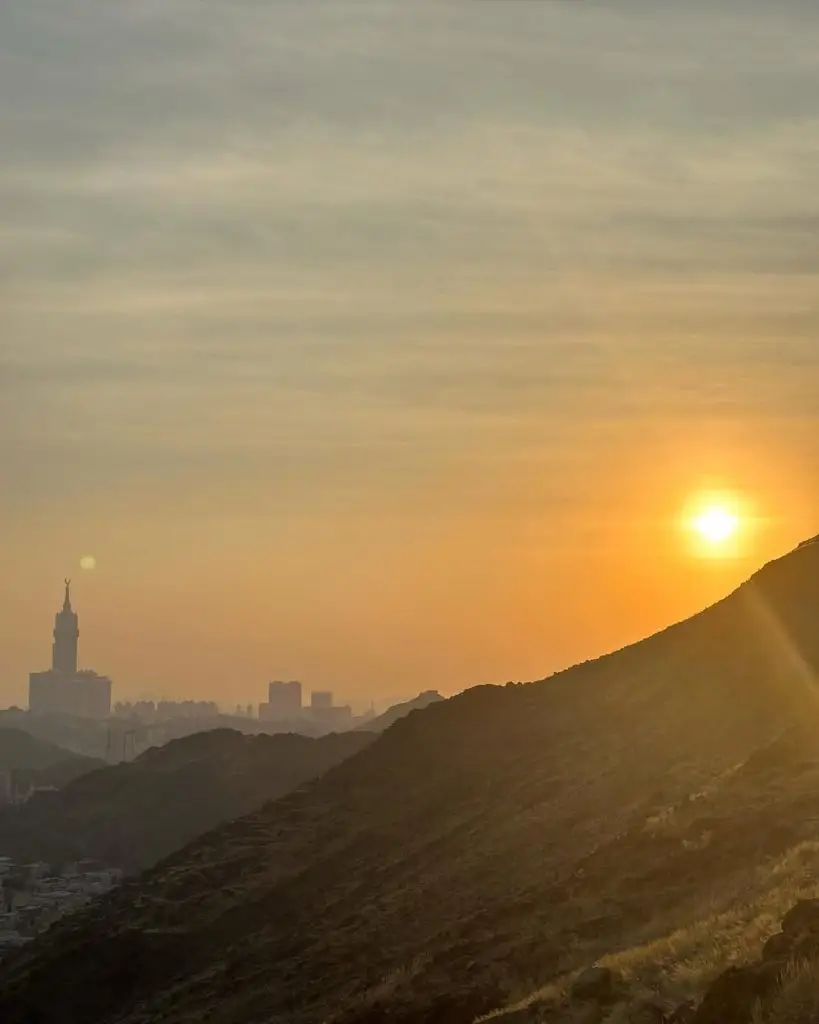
[321, 700]
[327, 714]
[335, 718]
[142, 711]
[82, 695]
[169, 709]
[284, 699]
[283, 702]
[63, 690]
[149, 712]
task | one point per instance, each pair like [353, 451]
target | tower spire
[66, 635]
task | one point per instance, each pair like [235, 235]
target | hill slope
[130, 815]
[492, 841]
[33, 761]
[397, 711]
[85, 736]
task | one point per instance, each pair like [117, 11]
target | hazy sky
[380, 345]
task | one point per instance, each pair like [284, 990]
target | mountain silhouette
[493, 840]
[36, 762]
[130, 815]
[396, 711]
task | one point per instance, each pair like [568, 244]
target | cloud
[409, 223]
[297, 294]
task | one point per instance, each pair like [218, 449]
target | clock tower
[66, 635]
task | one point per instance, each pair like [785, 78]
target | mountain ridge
[449, 853]
[19, 750]
[132, 814]
[397, 711]
[33, 762]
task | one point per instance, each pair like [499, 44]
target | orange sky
[384, 351]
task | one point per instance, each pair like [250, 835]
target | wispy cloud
[398, 248]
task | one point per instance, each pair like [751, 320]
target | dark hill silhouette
[392, 714]
[34, 762]
[84, 736]
[495, 839]
[132, 814]
[91, 738]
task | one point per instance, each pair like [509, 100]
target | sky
[382, 345]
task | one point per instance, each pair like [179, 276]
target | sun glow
[716, 524]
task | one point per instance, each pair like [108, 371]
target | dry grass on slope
[798, 1000]
[729, 928]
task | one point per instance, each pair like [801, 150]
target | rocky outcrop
[599, 994]
[801, 920]
[735, 994]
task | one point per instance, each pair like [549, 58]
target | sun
[716, 524]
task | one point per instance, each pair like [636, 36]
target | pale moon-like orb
[88, 562]
[716, 525]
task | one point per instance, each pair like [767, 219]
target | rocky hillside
[779, 986]
[131, 815]
[485, 848]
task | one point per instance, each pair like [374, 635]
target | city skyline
[385, 347]
[65, 665]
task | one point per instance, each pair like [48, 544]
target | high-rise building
[64, 690]
[321, 700]
[66, 637]
[283, 702]
[83, 695]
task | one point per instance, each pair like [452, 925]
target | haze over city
[388, 347]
